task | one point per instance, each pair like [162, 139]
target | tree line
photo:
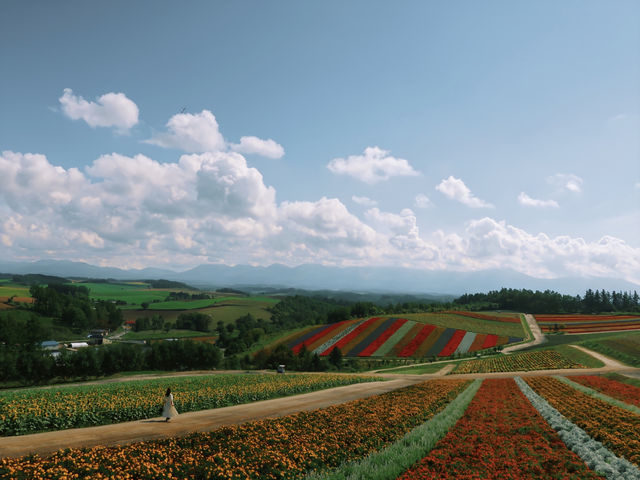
[71, 306]
[593, 301]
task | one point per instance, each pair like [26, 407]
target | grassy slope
[468, 323]
[625, 348]
[9, 290]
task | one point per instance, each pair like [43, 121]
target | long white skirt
[168, 410]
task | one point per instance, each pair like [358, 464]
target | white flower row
[595, 455]
[333, 340]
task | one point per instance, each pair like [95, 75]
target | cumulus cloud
[193, 133]
[488, 243]
[527, 201]
[257, 146]
[364, 201]
[422, 201]
[213, 207]
[373, 166]
[566, 181]
[109, 110]
[327, 219]
[455, 189]
[403, 223]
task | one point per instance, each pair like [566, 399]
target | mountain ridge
[318, 277]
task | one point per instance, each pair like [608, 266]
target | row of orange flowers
[500, 436]
[269, 449]
[617, 429]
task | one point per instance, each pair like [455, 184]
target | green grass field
[468, 323]
[625, 348]
[8, 289]
[132, 293]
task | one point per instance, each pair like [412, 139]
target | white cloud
[213, 208]
[327, 219]
[422, 201]
[455, 189]
[364, 201]
[527, 201]
[566, 181]
[257, 146]
[488, 243]
[373, 166]
[403, 223]
[192, 133]
[109, 110]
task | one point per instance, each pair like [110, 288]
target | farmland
[588, 323]
[519, 362]
[32, 410]
[499, 434]
[407, 336]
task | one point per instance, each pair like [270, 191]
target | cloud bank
[213, 207]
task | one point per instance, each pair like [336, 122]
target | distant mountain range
[319, 277]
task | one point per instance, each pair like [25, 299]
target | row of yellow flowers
[519, 362]
[33, 410]
[279, 448]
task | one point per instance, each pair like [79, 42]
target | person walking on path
[168, 409]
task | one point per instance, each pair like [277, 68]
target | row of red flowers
[622, 391]
[500, 436]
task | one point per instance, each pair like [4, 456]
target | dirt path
[609, 362]
[538, 337]
[150, 429]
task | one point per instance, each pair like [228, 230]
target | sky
[459, 136]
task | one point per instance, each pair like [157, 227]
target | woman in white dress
[168, 409]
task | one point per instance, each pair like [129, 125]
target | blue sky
[439, 135]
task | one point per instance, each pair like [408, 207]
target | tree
[335, 357]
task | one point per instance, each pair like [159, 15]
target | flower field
[518, 362]
[617, 429]
[621, 391]
[285, 447]
[501, 436]
[587, 323]
[33, 410]
[394, 337]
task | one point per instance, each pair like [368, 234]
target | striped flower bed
[394, 337]
[587, 323]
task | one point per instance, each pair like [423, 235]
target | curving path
[538, 336]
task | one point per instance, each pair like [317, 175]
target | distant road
[538, 337]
